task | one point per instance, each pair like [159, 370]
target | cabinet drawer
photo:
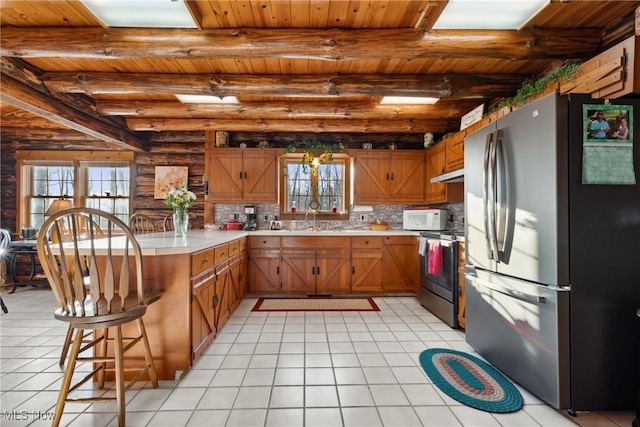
[242, 244]
[401, 239]
[201, 261]
[366, 242]
[260, 242]
[221, 253]
[234, 248]
[316, 242]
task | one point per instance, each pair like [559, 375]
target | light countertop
[196, 240]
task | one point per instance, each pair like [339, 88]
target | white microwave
[424, 219]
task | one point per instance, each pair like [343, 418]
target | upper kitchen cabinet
[454, 152]
[389, 176]
[243, 175]
[441, 192]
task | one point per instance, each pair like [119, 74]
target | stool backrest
[91, 259]
[142, 224]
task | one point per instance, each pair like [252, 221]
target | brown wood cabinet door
[333, 271]
[234, 283]
[299, 271]
[366, 272]
[221, 296]
[454, 152]
[243, 274]
[264, 271]
[225, 173]
[371, 177]
[400, 264]
[435, 166]
[260, 176]
[407, 177]
[203, 328]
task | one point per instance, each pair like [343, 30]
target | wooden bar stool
[142, 224]
[97, 281]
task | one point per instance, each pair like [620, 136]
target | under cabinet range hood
[453, 176]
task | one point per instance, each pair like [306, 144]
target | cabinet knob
[206, 260]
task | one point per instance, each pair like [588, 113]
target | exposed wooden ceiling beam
[324, 44]
[35, 102]
[281, 110]
[438, 86]
[13, 130]
[286, 125]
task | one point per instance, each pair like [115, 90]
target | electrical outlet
[266, 217]
[364, 217]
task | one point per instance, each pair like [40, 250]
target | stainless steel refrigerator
[553, 265]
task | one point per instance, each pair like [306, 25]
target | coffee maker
[252, 218]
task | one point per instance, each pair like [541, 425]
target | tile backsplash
[390, 213]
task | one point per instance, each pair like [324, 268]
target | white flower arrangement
[180, 198]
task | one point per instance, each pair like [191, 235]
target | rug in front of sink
[315, 304]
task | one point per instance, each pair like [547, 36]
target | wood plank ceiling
[294, 65]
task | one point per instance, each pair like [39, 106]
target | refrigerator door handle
[522, 296]
[485, 194]
[500, 227]
[493, 207]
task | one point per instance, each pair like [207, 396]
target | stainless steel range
[439, 274]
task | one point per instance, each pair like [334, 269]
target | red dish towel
[435, 256]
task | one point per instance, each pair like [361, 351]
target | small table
[24, 247]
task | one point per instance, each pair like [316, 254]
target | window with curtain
[325, 183]
[92, 180]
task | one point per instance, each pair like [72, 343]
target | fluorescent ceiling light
[386, 100]
[487, 14]
[142, 13]
[206, 99]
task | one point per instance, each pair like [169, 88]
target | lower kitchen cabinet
[235, 294]
[400, 264]
[203, 290]
[222, 285]
[264, 264]
[203, 329]
[315, 265]
[213, 295]
[366, 264]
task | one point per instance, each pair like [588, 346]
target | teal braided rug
[470, 381]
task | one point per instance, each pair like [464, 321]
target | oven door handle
[446, 243]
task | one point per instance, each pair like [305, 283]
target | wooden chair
[167, 224]
[5, 240]
[142, 224]
[110, 296]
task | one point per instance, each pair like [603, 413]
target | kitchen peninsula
[204, 276]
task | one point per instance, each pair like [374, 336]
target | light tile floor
[268, 369]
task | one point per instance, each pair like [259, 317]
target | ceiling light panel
[408, 100]
[487, 14]
[206, 99]
[142, 13]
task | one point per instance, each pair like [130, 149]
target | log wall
[168, 149]
[189, 154]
